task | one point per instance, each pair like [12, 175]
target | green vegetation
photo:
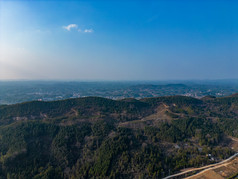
[84, 138]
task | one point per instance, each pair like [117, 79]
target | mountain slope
[103, 138]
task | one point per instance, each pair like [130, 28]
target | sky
[118, 40]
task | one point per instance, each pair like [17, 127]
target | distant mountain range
[16, 92]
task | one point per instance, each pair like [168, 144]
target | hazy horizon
[119, 40]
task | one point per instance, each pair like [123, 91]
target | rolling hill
[103, 138]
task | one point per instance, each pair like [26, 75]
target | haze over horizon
[119, 40]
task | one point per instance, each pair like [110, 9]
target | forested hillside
[102, 138]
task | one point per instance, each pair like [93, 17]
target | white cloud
[70, 26]
[75, 26]
[88, 30]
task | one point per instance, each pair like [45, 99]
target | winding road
[202, 168]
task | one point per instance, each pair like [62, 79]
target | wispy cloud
[70, 26]
[75, 26]
[88, 30]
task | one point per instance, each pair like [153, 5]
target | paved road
[202, 168]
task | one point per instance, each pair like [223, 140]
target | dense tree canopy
[103, 138]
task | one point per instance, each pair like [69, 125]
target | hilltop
[99, 137]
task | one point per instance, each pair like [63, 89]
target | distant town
[21, 91]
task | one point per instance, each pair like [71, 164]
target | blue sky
[118, 40]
